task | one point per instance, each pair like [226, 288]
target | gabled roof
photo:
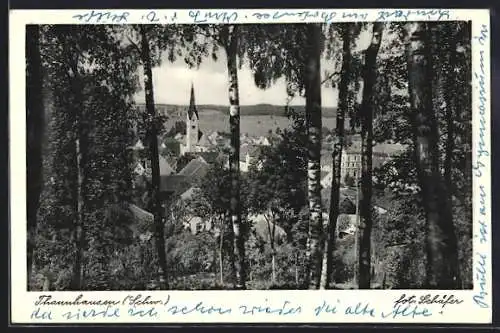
[209, 156]
[203, 141]
[195, 169]
[143, 220]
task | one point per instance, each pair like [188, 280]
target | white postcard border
[228, 306]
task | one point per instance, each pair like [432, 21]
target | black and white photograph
[284, 156]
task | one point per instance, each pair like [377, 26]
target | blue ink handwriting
[434, 14]
[360, 310]
[325, 307]
[400, 310]
[199, 16]
[96, 16]
[44, 315]
[284, 310]
[480, 299]
[200, 307]
[109, 312]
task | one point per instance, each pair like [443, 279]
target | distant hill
[245, 110]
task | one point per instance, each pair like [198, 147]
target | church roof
[192, 111]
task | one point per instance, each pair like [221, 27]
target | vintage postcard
[244, 166]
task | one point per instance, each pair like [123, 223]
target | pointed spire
[192, 105]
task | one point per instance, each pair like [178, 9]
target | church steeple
[192, 105]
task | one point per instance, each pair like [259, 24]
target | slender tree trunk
[234, 157]
[155, 163]
[337, 158]
[221, 248]
[450, 111]
[297, 269]
[313, 119]
[370, 76]
[78, 235]
[79, 137]
[451, 115]
[442, 258]
[35, 116]
[271, 233]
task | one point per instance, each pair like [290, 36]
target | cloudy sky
[172, 83]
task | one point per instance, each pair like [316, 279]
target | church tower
[192, 124]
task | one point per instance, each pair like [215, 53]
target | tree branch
[134, 44]
[329, 77]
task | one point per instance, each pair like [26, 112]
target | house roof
[173, 183]
[203, 140]
[195, 169]
[143, 220]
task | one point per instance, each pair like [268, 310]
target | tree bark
[35, 115]
[221, 248]
[231, 48]
[78, 234]
[337, 158]
[271, 232]
[369, 78]
[79, 139]
[155, 162]
[450, 113]
[442, 258]
[314, 124]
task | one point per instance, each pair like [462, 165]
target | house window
[193, 127]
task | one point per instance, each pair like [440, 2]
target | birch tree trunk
[231, 48]
[370, 76]
[34, 123]
[155, 163]
[442, 258]
[314, 124]
[337, 158]
[77, 235]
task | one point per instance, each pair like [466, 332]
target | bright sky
[172, 84]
